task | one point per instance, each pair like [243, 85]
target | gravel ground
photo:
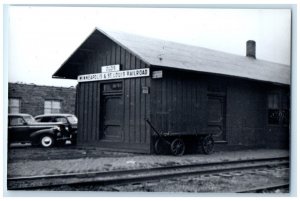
[219, 182]
[211, 183]
[23, 165]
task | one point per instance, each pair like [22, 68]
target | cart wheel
[208, 145]
[159, 146]
[177, 147]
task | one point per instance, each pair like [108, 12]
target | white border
[213, 3]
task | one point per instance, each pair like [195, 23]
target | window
[16, 121]
[61, 119]
[14, 105]
[112, 87]
[273, 108]
[52, 106]
[72, 119]
[286, 109]
[29, 119]
[278, 108]
[44, 119]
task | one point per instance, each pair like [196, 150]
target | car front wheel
[46, 141]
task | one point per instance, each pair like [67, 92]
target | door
[112, 112]
[18, 130]
[216, 117]
[112, 117]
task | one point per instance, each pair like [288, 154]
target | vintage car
[69, 120]
[23, 128]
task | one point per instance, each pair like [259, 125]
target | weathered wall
[179, 104]
[33, 97]
[178, 101]
[246, 117]
[136, 105]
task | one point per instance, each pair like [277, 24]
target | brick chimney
[250, 51]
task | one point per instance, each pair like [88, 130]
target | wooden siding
[246, 113]
[135, 133]
[179, 103]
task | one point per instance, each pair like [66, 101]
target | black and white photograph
[183, 100]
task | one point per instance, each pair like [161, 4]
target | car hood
[47, 124]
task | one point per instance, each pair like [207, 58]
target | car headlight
[67, 128]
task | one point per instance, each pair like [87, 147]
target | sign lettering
[157, 74]
[143, 72]
[111, 68]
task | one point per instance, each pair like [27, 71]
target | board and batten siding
[246, 113]
[135, 132]
[178, 101]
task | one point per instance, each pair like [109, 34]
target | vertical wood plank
[175, 102]
[180, 105]
[148, 109]
[113, 54]
[88, 108]
[94, 59]
[132, 103]
[164, 103]
[94, 110]
[158, 111]
[98, 112]
[190, 127]
[80, 113]
[143, 109]
[98, 62]
[108, 58]
[170, 102]
[127, 99]
[143, 113]
[194, 105]
[123, 59]
[198, 100]
[118, 55]
[85, 126]
[89, 113]
[138, 92]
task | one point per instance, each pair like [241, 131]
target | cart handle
[153, 128]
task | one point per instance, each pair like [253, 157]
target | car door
[17, 130]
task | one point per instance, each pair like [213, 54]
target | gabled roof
[185, 57]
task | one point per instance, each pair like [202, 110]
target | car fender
[48, 131]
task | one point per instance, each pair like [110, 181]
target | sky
[40, 39]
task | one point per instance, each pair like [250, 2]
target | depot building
[124, 79]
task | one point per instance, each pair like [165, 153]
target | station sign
[142, 72]
[110, 68]
[157, 74]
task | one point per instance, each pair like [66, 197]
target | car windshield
[72, 119]
[29, 119]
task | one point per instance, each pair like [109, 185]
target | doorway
[112, 111]
[216, 117]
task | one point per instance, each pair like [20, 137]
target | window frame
[51, 108]
[10, 106]
[281, 111]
